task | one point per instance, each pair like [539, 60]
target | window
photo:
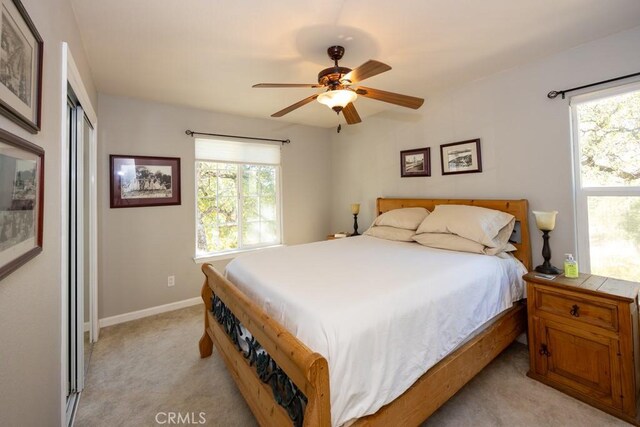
[237, 196]
[606, 131]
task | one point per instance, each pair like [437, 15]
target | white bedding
[381, 312]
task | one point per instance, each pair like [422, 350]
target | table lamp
[355, 210]
[546, 222]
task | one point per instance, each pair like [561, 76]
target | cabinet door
[583, 361]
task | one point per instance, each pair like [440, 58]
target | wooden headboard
[517, 208]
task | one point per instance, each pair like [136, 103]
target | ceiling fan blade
[298, 104]
[286, 85]
[351, 114]
[368, 69]
[390, 97]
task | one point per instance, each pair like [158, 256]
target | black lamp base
[355, 225]
[548, 269]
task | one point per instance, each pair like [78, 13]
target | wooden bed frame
[309, 370]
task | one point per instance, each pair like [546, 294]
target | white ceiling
[208, 53]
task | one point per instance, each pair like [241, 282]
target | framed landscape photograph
[20, 66]
[138, 181]
[461, 157]
[416, 162]
[21, 201]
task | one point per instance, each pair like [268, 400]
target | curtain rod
[554, 93]
[283, 141]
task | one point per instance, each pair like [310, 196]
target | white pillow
[390, 233]
[488, 227]
[454, 242]
[406, 218]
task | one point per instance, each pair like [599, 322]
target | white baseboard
[87, 326]
[126, 317]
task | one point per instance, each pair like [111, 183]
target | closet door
[76, 249]
[79, 236]
[79, 245]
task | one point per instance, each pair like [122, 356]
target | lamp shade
[337, 99]
[355, 208]
[546, 221]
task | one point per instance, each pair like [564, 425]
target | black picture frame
[462, 157]
[415, 162]
[140, 181]
[20, 83]
[21, 201]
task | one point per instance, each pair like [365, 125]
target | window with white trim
[237, 196]
[606, 136]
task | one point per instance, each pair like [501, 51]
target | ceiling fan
[339, 94]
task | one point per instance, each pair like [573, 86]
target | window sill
[230, 255]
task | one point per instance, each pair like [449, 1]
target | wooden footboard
[257, 377]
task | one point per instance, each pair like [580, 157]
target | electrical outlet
[171, 281]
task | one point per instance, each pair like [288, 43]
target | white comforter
[381, 312]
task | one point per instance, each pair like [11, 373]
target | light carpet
[142, 371]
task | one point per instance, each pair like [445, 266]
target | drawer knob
[575, 310]
[544, 351]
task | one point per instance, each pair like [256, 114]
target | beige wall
[30, 298]
[526, 149]
[140, 247]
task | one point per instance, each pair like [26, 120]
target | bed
[279, 348]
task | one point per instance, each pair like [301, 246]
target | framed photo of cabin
[461, 157]
[138, 181]
[416, 162]
[21, 201]
[21, 49]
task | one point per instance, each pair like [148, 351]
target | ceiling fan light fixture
[337, 99]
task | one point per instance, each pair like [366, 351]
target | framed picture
[461, 157]
[416, 162]
[138, 181]
[21, 201]
[20, 66]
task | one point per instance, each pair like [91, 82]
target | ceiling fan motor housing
[331, 76]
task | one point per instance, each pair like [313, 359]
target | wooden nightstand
[583, 339]
[333, 237]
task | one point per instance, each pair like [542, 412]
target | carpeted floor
[142, 371]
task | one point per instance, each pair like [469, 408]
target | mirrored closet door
[80, 249]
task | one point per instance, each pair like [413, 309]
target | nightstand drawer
[577, 309]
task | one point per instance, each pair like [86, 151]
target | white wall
[140, 247]
[30, 298]
[526, 148]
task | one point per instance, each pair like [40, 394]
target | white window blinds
[237, 152]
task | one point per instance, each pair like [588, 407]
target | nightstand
[583, 339]
[333, 237]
